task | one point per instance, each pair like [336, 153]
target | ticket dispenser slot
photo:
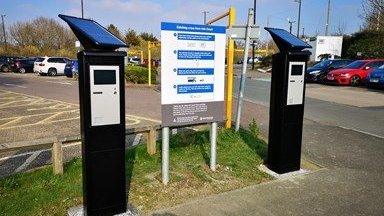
[295, 83]
[286, 102]
[105, 95]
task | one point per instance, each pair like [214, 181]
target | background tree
[44, 35]
[370, 43]
[131, 38]
[114, 30]
[373, 14]
[148, 36]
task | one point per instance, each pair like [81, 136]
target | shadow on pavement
[164, 214]
[130, 158]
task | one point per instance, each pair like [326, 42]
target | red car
[355, 73]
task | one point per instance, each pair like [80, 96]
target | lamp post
[290, 25]
[298, 18]
[328, 15]
[82, 9]
[205, 17]
[254, 42]
[4, 35]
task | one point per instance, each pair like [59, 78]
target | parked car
[134, 60]
[23, 65]
[253, 60]
[71, 68]
[376, 78]
[319, 71]
[355, 73]
[5, 63]
[50, 65]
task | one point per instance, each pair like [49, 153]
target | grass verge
[239, 154]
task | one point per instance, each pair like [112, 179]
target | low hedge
[139, 75]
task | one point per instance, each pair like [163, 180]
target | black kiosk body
[287, 102]
[102, 115]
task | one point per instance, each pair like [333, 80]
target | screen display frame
[104, 77]
[297, 70]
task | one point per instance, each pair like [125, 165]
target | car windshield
[322, 64]
[39, 59]
[355, 65]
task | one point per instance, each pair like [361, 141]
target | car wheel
[322, 79]
[22, 70]
[355, 81]
[4, 69]
[52, 72]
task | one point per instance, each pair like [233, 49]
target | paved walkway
[351, 182]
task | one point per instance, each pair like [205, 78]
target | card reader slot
[97, 92]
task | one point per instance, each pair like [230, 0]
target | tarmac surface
[34, 107]
[349, 182]
[343, 133]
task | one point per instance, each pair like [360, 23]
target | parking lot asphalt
[359, 109]
[350, 178]
[25, 117]
[343, 132]
[34, 107]
[21, 161]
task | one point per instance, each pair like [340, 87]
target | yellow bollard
[230, 54]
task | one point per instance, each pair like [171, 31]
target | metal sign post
[192, 80]
[246, 33]
[213, 145]
[165, 155]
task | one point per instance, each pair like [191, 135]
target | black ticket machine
[102, 115]
[287, 101]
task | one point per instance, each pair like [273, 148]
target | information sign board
[192, 73]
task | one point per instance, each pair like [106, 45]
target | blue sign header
[192, 28]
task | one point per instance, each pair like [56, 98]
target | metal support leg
[165, 155]
[213, 145]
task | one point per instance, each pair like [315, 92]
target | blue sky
[146, 15]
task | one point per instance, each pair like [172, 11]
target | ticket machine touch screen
[295, 83]
[105, 95]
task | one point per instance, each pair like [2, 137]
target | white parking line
[32, 152]
[10, 84]
[63, 83]
[360, 131]
[28, 161]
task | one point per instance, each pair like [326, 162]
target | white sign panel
[296, 83]
[238, 32]
[328, 45]
[192, 73]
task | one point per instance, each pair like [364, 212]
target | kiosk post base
[79, 211]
